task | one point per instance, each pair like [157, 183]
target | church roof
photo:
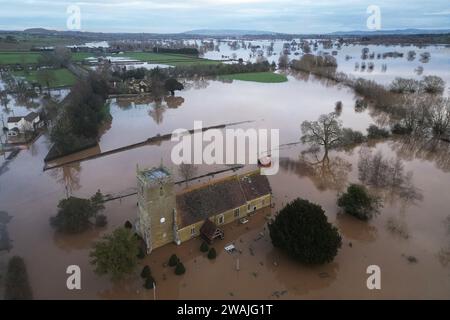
[219, 196]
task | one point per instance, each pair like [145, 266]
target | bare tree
[283, 61]
[4, 99]
[325, 132]
[187, 171]
[433, 84]
[402, 85]
[46, 76]
[438, 117]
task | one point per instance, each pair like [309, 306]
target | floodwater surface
[409, 240]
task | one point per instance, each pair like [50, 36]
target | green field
[33, 57]
[167, 58]
[80, 56]
[63, 77]
[19, 57]
[158, 58]
[264, 77]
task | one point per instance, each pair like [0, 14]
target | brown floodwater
[30, 196]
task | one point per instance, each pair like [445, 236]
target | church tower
[156, 207]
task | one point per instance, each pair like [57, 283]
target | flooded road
[31, 196]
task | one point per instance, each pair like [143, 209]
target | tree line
[77, 125]
[413, 106]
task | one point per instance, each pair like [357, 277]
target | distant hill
[221, 33]
[39, 31]
[392, 32]
[229, 32]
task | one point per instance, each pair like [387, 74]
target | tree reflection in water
[326, 172]
[156, 112]
[355, 229]
[174, 102]
[160, 106]
[387, 177]
[433, 150]
[69, 176]
[444, 253]
[304, 280]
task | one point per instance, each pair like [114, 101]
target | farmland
[62, 77]
[263, 77]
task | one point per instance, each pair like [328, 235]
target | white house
[23, 123]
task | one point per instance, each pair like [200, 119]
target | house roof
[254, 186]
[209, 200]
[14, 119]
[31, 116]
[219, 196]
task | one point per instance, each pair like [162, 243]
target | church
[165, 216]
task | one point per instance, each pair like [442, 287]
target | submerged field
[31, 196]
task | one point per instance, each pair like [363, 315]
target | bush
[116, 254]
[101, 221]
[17, 286]
[432, 84]
[320, 65]
[212, 254]
[149, 283]
[402, 85]
[189, 51]
[374, 132]
[351, 137]
[141, 252]
[172, 84]
[204, 247]
[128, 225]
[73, 216]
[302, 230]
[360, 105]
[146, 272]
[359, 203]
[401, 130]
[179, 270]
[173, 261]
[218, 69]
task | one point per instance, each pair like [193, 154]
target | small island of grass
[264, 77]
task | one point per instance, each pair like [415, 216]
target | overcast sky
[165, 16]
